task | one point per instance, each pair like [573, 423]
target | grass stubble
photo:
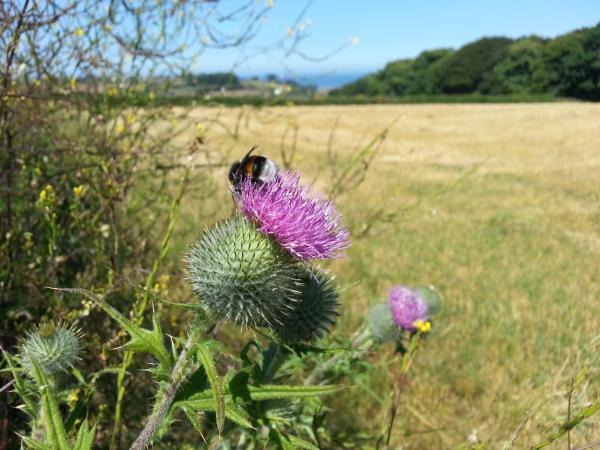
[514, 246]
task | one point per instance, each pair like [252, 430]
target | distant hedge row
[567, 66]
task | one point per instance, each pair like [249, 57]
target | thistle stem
[165, 400]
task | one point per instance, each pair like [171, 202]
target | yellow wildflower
[130, 118]
[73, 83]
[79, 32]
[422, 327]
[79, 191]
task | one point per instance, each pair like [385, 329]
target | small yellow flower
[164, 281]
[73, 397]
[121, 128]
[79, 32]
[112, 90]
[73, 83]
[130, 118]
[200, 128]
[28, 240]
[44, 193]
[422, 327]
[79, 191]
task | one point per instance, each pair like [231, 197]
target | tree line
[565, 66]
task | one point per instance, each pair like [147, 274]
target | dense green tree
[464, 71]
[515, 72]
[567, 66]
[570, 65]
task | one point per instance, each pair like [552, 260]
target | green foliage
[515, 72]
[567, 66]
[469, 69]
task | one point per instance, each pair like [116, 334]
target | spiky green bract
[431, 296]
[244, 276]
[316, 313]
[381, 323]
[54, 346]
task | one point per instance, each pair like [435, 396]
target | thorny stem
[178, 376]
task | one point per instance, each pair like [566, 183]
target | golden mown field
[498, 206]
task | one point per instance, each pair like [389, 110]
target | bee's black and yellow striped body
[259, 169]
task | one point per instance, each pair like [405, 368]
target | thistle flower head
[243, 276]
[305, 225]
[381, 324]
[54, 346]
[316, 312]
[409, 311]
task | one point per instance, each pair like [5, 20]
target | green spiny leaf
[205, 356]
[31, 443]
[301, 443]
[237, 415]
[202, 400]
[53, 425]
[274, 392]
[19, 386]
[85, 437]
[142, 340]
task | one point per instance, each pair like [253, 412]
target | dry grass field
[498, 206]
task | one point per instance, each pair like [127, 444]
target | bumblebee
[260, 169]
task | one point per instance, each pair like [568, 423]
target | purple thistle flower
[306, 226]
[407, 308]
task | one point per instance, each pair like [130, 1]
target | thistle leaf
[142, 340]
[204, 352]
[31, 443]
[201, 400]
[20, 388]
[85, 437]
[301, 443]
[278, 392]
[53, 425]
[232, 412]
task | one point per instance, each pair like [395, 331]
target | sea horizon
[323, 81]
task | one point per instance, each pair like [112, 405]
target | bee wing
[245, 158]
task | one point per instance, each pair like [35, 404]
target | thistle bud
[243, 276]
[381, 323]
[54, 346]
[315, 314]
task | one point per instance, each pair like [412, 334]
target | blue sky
[394, 29]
